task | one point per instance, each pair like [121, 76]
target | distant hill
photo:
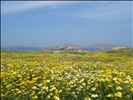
[72, 45]
[93, 47]
[103, 46]
[66, 47]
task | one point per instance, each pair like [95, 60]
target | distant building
[118, 48]
[70, 48]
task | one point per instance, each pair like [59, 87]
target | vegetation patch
[67, 76]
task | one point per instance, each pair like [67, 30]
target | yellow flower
[60, 91]
[93, 89]
[33, 92]
[110, 86]
[19, 92]
[33, 75]
[117, 82]
[68, 89]
[83, 84]
[48, 81]
[34, 79]
[8, 86]
[56, 91]
[131, 89]
[110, 95]
[20, 79]
[80, 87]
[118, 94]
[48, 96]
[89, 82]
[118, 88]
[52, 78]
[96, 84]
[35, 97]
[56, 98]
[52, 89]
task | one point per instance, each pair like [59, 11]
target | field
[106, 75]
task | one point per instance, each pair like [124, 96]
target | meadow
[106, 75]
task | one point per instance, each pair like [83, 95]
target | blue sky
[50, 23]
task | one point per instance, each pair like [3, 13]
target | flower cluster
[64, 76]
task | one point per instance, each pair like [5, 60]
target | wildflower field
[106, 75]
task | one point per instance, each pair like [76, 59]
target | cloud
[19, 6]
[119, 10]
[96, 10]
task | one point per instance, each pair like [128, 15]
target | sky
[52, 23]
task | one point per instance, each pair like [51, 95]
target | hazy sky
[49, 23]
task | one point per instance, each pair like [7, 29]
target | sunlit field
[67, 75]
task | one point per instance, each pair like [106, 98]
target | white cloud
[102, 10]
[18, 6]
[105, 11]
